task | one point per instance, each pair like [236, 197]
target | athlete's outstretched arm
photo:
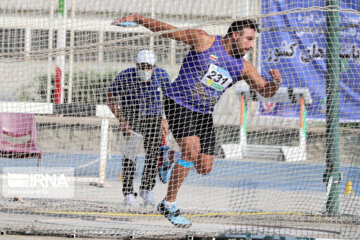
[197, 38]
[255, 81]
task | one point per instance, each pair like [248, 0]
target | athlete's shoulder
[205, 42]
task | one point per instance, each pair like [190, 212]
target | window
[40, 43]
[12, 41]
[82, 38]
[162, 48]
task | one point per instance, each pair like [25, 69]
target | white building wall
[185, 8]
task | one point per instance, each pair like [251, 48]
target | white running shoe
[130, 200]
[148, 197]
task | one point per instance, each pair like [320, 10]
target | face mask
[145, 75]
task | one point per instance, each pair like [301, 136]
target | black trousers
[150, 129]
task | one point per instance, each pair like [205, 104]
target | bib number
[216, 78]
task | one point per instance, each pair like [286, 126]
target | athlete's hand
[130, 18]
[275, 75]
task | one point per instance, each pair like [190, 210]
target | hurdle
[242, 149]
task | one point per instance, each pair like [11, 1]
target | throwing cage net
[285, 165]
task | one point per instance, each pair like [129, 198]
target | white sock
[169, 204]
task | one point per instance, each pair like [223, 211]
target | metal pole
[60, 59]
[152, 40]
[50, 43]
[332, 174]
[253, 105]
[103, 151]
[71, 63]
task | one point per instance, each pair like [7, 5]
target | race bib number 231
[216, 78]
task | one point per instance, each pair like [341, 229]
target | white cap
[146, 56]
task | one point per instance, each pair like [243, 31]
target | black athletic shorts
[186, 123]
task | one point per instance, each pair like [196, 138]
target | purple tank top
[204, 77]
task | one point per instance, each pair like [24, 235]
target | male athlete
[213, 64]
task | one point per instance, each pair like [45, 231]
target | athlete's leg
[207, 137]
[204, 163]
[190, 148]
[190, 143]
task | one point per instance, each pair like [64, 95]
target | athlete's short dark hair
[238, 26]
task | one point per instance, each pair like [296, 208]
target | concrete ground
[94, 213]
